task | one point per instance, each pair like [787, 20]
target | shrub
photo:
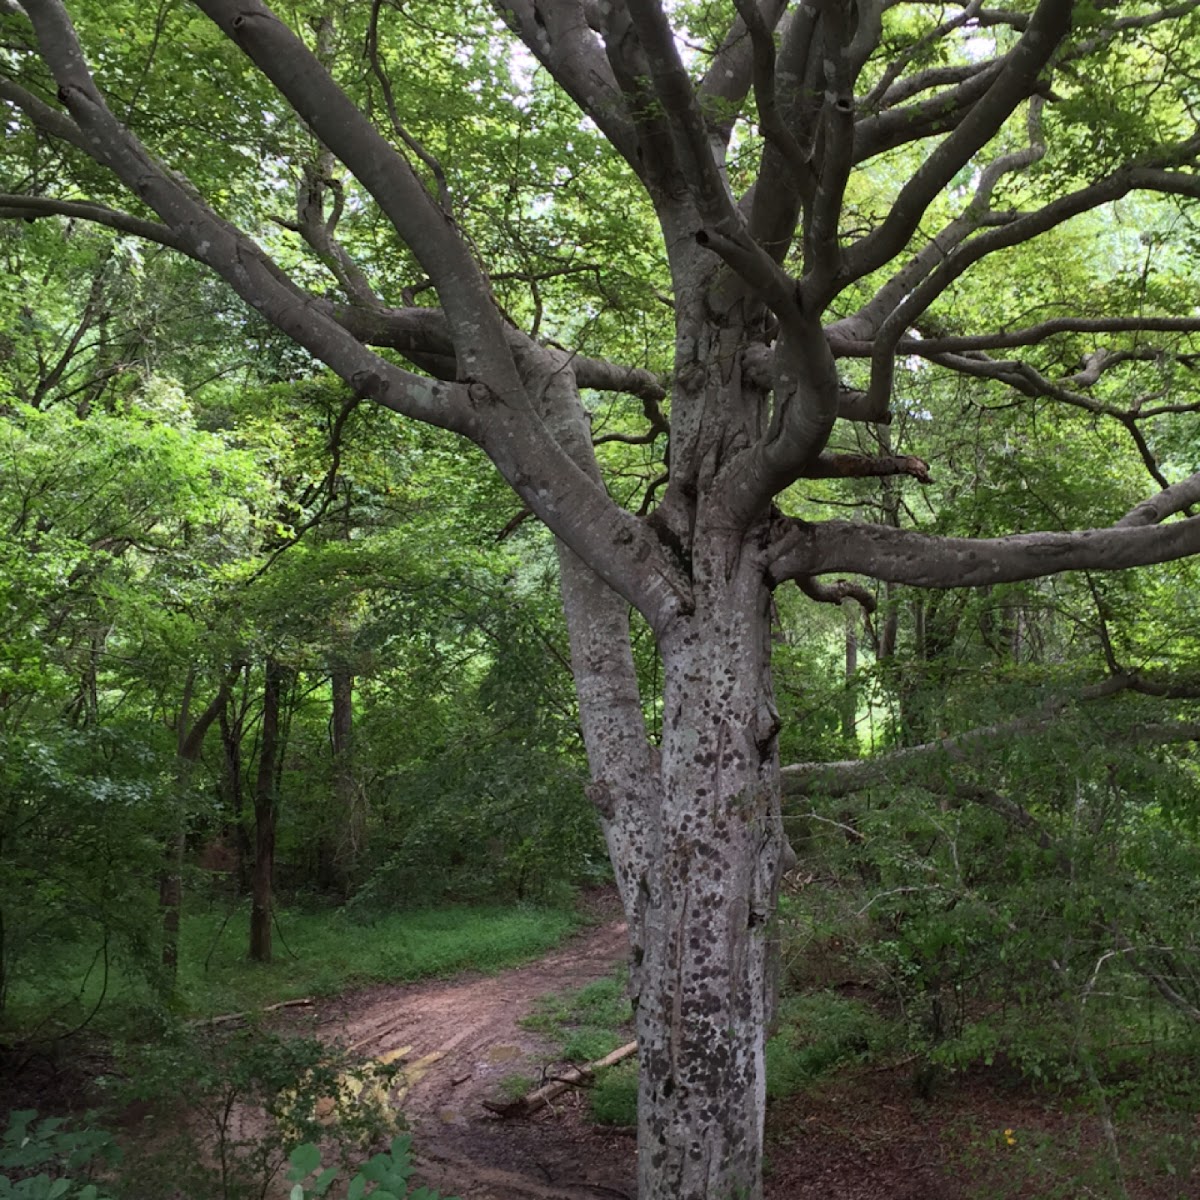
[229, 1108]
[391, 1174]
[48, 1160]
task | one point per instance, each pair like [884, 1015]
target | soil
[868, 1134]
[460, 1040]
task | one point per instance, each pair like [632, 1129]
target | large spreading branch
[900, 124]
[876, 323]
[425, 334]
[507, 423]
[623, 66]
[495, 413]
[422, 225]
[847, 335]
[31, 208]
[847, 776]
[1016, 81]
[894, 555]
[1033, 335]
[563, 35]
[201, 233]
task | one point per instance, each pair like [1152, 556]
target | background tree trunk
[233, 727]
[341, 846]
[265, 814]
[849, 713]
[189, 742]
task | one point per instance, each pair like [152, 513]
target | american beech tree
[798, 293]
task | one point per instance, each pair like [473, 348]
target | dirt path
[458, 1041]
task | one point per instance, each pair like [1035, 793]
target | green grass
[513, 1087]
[818, 1032]
[332, 954]
[614, 1098]
[589, 1023]
[319, 953]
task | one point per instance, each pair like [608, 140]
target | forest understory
[866, 1122]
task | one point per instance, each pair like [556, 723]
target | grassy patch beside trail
[587, 1025]
[818, 1033]
[318, 953]
[332, 954]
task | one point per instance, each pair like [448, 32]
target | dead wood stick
[229, 1018]
[574, 1077]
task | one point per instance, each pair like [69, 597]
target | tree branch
[942, 113]
[1016, 81]
[771, 122]
[1033, 335]
[847, 776]
[425, 332]
[923, 560]
[497, 414]
[30, 208]
[835, 593]
[301, 79]
[736, 64]
[689, 130]
[859, 466]
[49, 120]
[201, 234]
[884, 94]
[564, 41]
[1011, 232]
[877, 318]
[1169, 501]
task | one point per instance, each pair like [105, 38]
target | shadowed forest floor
[865, 1134]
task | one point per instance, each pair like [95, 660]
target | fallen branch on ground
[575, 1077]
[229, 1018]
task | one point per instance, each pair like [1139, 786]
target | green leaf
[324, 1180]
[377, 1168]
[305, 1159]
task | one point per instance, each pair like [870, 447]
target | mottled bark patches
[706, 978]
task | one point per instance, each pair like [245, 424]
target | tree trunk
[341, 848]
[3, 964]
[696, 839]
[265, 814]
[705, 980]
[849, 713]
[693, 825]
[189, 741]
[233, 792]
[170, 896]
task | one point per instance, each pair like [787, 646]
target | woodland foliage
[837, 363]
